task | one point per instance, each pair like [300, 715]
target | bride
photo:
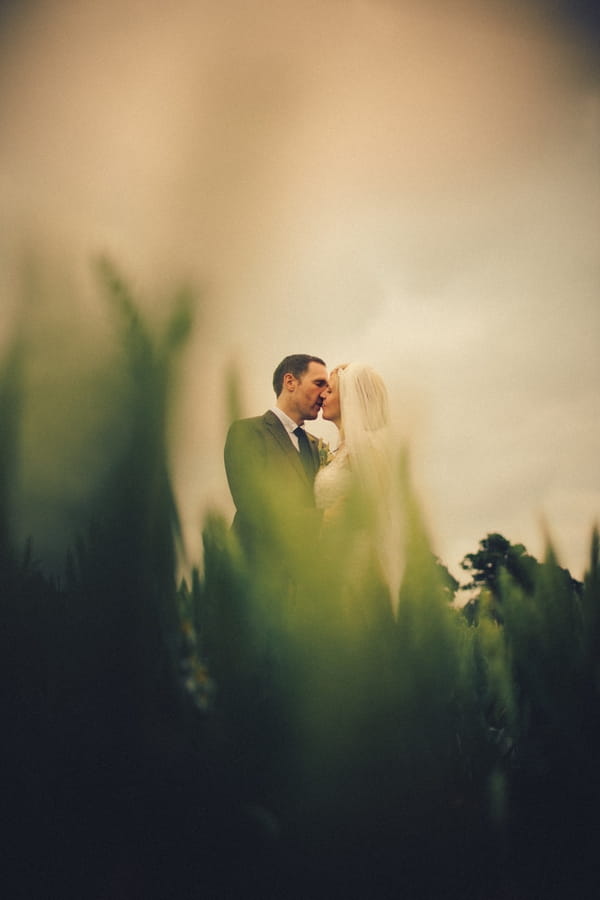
[357, 491]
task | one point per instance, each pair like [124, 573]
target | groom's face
[307, 391]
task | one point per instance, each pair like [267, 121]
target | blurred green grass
[220, 734]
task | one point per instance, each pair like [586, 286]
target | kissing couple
[296, 499]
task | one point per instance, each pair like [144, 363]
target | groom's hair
[296, 364]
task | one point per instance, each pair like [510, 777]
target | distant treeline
[240, 733]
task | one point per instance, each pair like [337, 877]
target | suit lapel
[278, 432]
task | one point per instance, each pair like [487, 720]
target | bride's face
[331, 401]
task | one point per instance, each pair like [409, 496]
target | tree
[496, 554]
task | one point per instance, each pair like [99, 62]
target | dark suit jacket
[268, 483]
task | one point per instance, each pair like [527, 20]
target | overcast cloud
[412, 184]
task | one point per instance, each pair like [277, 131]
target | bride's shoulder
[335, 466]
[340, 454]
[332, 483]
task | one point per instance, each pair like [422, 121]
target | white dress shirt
[288, 424]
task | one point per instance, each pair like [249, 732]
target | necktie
[306, 456]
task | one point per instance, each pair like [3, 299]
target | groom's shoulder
[252, 423]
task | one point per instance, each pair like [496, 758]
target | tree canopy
[495, 556]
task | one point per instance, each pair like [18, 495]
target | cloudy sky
[413, 184]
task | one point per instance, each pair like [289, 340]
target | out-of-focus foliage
[267, 727]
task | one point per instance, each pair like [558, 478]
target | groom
[271, 462]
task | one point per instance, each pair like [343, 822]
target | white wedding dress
[351, 539]
[333, 482]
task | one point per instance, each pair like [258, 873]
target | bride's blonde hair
[363, 396]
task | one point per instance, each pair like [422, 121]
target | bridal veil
[369, 441]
